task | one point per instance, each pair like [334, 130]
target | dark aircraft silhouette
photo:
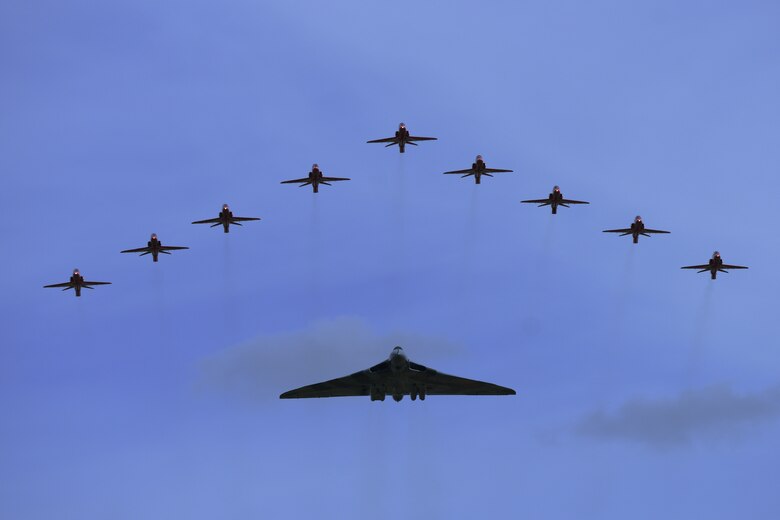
[637, 228]
[554, 200]
[225, 218]
[402, 138]
[714, 266]
[154, 247]
[478, 169]
[76, 282]
[315, 178]
[397, 376]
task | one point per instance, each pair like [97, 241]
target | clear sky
[643, 391]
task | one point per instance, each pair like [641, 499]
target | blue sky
[643, 390]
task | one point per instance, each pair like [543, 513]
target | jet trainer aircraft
[315, 178]
[397, 376]
[637, 228]
[554, 200]
[714, 266]
[402, 138]
[154, 247]
[225, 218]
[478, 169]
[76, 282]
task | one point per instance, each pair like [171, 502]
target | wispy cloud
[707, 413]
[269, 365]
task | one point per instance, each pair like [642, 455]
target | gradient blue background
[644, 391]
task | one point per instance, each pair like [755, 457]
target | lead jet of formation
[477, 169]
[315, 178]
[154, 247]
[554, 200]
[76, 282]
[397, 376]
[714, 266]
[402, 138]
[225, 218]
[637, 228]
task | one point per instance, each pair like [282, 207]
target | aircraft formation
[396, 376]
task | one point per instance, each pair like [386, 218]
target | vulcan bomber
[397, 376]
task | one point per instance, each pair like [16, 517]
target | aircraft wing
[64, 284]
[467, 170]
[729, 266]
[626, 230]
[137, 250]
[172, 248]
[385, 140]
[358, 383]
[569, 201]
[415, 138]
[437, 383]
[244, 219]
[654, 231]
[209, 221]
[296, 181]
[330, 179]
[496, 170]
[537, 201]
[702, 266]
[96, 283]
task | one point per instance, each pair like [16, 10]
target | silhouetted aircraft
[76, 282]
[315, 178]
[478, 169]
[637, 228]
[397, 376]
[154, 247]
[554, 200]
[714, 266]
[402, 138]
[225, 218]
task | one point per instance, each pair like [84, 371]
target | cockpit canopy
[479, 158]
[556, 188]
[398, 351]
[225, 207]
[401, 126]
[716, 254]
[315, 166]
[154, 236]
[638, 218]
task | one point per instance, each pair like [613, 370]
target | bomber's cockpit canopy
[401, 126]
[638, 218]
[479, 158]
[556, 188]
[716, 254]
[315, 166]
[398, 351]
